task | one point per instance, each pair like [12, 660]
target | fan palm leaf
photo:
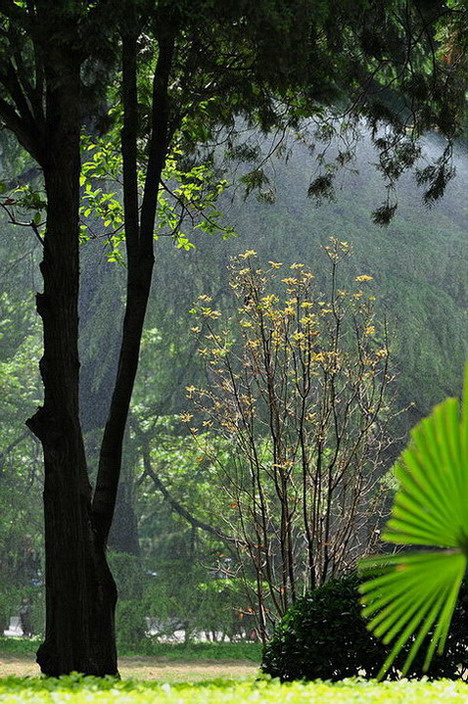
[409, 595]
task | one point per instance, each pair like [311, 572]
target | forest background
[182, 525]
[164, 557]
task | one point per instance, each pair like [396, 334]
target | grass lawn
[75, 690]
[200, 674]
[170, 651]
[155, 661]
[161, 669]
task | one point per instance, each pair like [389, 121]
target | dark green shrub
[323, 636]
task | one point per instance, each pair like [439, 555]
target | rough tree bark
[80, 591]
[45, 111]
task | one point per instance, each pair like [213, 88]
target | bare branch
[23, 132]
[181, 510]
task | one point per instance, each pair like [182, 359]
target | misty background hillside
[418, 262]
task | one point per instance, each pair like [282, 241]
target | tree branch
[181, 510]
[158, 144]
[129, 140]
[16, 124]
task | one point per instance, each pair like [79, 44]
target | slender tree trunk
[80, 592]
[139, 235]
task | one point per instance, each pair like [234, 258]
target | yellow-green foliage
[76, 690]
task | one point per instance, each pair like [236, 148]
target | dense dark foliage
[323, 636]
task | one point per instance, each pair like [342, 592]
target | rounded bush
[323, 636]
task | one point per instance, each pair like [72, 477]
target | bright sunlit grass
[75, 689]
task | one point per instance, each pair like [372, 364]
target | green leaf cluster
[417, 591]
[76, 689]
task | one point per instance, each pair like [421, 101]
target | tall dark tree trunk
[80, 591]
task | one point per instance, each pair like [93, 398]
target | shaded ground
[146, 668]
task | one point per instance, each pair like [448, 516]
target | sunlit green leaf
[412, 594]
